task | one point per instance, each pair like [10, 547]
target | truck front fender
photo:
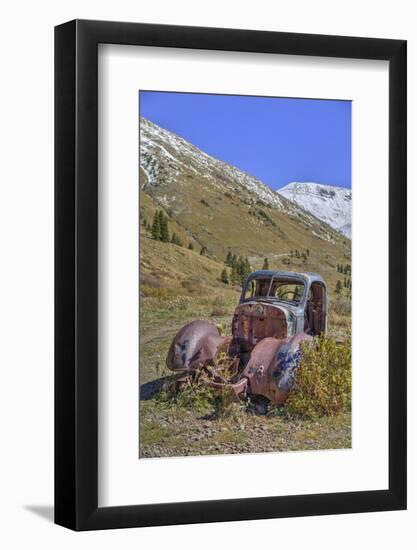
[272, 367]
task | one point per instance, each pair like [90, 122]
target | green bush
[323, 382]
[192, 396]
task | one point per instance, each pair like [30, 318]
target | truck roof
[308, 277]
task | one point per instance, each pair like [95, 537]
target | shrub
[323, 381]
[191, 395]
[224, 277]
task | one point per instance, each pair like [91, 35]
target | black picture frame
[76, 272]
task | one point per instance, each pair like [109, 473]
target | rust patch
[253, 322]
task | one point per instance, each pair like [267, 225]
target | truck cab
[279, 304]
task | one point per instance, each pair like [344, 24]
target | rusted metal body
[196, 345]
[276, 312]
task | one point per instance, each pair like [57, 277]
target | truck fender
[196, 344]
[272, 366]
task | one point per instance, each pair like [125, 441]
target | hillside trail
[158, 332]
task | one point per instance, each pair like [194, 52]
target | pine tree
[190, 246]
[144, 223]
[156, 227]
[339, 287]
[234, 275]
[266, 264]
[203, 251]
[308, 252]
[234, 260]
[239, 268]
[163, 222]
[161, 217]
[228, 260]
[243, 269]
[223, 277]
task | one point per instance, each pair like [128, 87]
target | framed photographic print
[230, 244]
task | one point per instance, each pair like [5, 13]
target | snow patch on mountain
[170, 162]
[329, 203]
[163, 155]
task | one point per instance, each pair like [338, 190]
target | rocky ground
[181, 432]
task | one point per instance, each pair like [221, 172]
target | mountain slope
[331, 204]
[214, 205]
[164, 156]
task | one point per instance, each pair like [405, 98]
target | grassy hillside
[248, 235]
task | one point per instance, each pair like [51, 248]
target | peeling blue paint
[288, 363]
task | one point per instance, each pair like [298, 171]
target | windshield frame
[280, 278]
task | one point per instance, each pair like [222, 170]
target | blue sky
[278, 140]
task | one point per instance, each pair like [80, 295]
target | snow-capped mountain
[329, 203]
[160, 148]
[198, 189]
[168, 160]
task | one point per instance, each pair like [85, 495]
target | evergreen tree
[234, 260]
[234, 275]
[156, 227]
[228, 260]
[243, 269]
[190, 246]
[308, 252]
[240, 268]
[163, 222]
[339, 287]
[161, 217]
[266, 264]
[144, 223]
[223, 277]
[203, 251]
[344, 282]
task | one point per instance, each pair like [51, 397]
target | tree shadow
[45, 512]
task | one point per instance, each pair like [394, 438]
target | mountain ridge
[329, 203]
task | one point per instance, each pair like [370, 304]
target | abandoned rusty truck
[277, 311]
